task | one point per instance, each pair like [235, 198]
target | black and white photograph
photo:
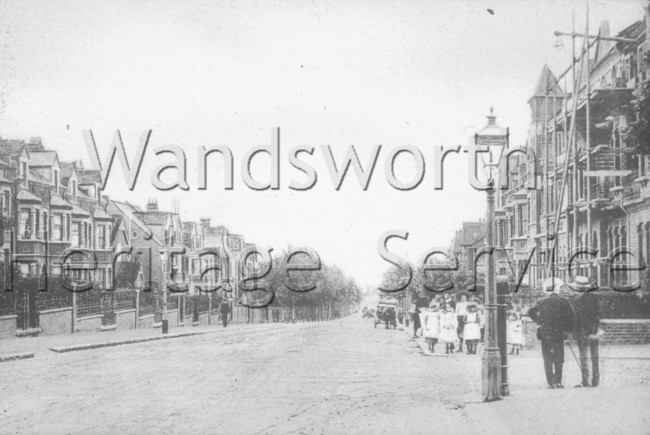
[324, 217]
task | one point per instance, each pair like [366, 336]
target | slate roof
[78, 211]
[99, 213]
[130, 214]
[26, 195]
[11, 147]
[547, 80]
[152, 217]
[42, 158]
[66, 169]
[58, 202]
[34, 147]
[88, 176]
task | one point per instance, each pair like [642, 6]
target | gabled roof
[546, 83]
[12, 147]
[129, 213]
[36, 177]
[42, 158]
[67, 168]
[88, 176]
[152, 217]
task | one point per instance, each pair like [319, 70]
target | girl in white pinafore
[431, 325]
[515, 333]
[472, 328]
[448, 326]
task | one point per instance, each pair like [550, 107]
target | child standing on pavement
[448, 328]
[515, 334]
[471, 329]
[432, 326]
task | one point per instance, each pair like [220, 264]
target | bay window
[26, 223]
[57, 234]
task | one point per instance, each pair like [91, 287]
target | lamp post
[163, 259]
[492, 140]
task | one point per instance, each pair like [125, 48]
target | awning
[27, 196]
[99, 213]
[58, 202]
[78, 211]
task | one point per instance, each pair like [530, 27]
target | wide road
[331, 377]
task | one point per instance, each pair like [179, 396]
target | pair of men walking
[557, 319]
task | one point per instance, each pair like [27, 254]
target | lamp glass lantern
[492, 141]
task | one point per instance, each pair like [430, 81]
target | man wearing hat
[588, 313]
[556, 320]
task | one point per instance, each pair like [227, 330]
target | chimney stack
[205, 222]
[152, 204]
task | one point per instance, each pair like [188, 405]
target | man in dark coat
[556, 320]
[588, 313]
[225, 310]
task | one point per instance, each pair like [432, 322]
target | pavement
[342, 376]
[618, 405]
[42, 345]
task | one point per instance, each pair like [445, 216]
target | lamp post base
[491, 374]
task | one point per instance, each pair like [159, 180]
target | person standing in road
[556, 319]
[588, 313]
[461, 312]
[225, 310]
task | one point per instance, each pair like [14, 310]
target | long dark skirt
[416, 323]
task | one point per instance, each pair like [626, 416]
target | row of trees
[432, 282]
[332, 289]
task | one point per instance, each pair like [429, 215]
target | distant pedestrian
[432, 326]
[461, 312]
[225, 310]
[471, 328]
[588, 314]
[448, 328]
[419, 302]
[515, 333]
[556, 320]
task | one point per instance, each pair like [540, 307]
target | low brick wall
[125, 319]
[625, 331]
[145, 321]
[203, 319]
[56, 321]
[89, 323]
[8, 326]
[172, 317]
[619, 331]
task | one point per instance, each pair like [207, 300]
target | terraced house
[76, 260]
[592, 190]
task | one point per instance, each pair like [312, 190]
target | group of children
[463, 322]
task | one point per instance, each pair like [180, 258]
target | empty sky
[334, 73]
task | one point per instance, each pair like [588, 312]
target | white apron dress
[515, 334]
[448, 326]
[472, 330]
[431, 324]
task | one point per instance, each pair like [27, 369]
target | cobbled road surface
[342, 376]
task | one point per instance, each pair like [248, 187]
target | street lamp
[164, 255]
[491, 140]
